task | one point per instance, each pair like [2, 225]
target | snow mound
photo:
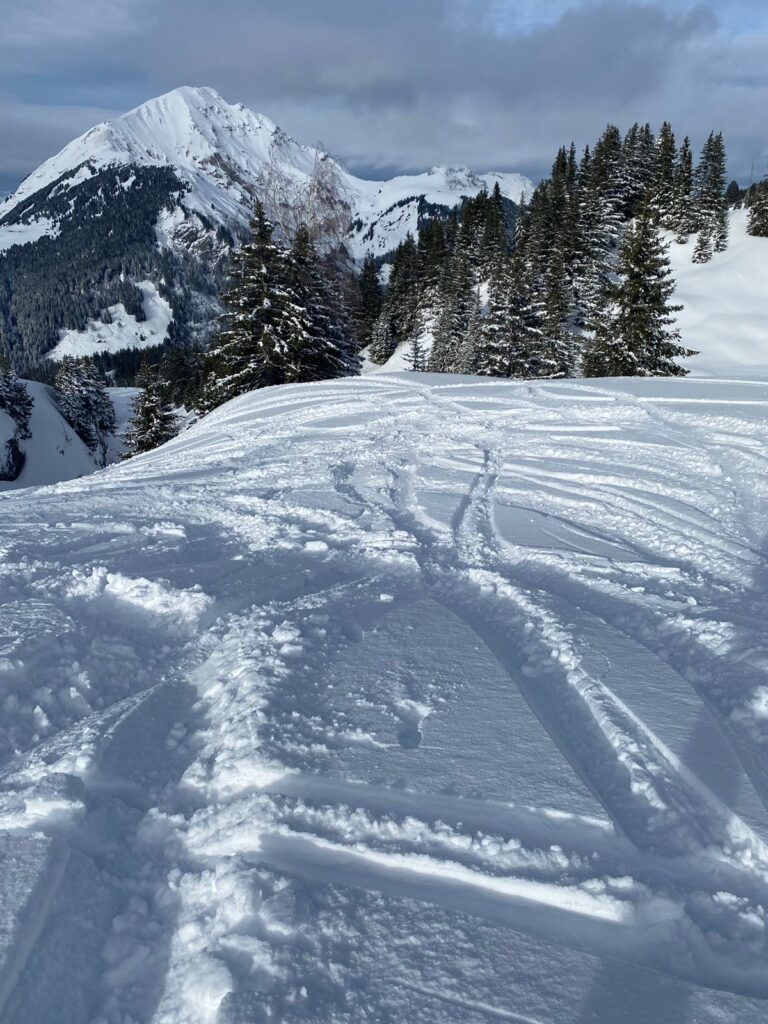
[123, 330]
[395, 698]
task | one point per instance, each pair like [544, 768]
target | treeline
[468, 298]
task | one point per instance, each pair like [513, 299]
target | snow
[54, 452]
[389, 210]
[21, 234]
[398, 698]
[124, 330]
[726, 305]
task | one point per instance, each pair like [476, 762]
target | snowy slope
[223, 153]
[726, 305]
[398, 698]
[54, 452]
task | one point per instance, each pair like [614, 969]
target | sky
[399, 85]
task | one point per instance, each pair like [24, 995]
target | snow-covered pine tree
[15, 399]
[85, 404]
[416, 357]
[153, 421]
[452, 312]
[610, 182]
[403, 288]
[180, 375]
[663, 188]
[683, 220]
[384, 341]
[711, 205]
[319, 331]
[639, 166]
[370, 299]
[494, 243]
[490, 355]
[758, 210]
[556, 356]
[468, 354]
[636, 337]
[253, 349]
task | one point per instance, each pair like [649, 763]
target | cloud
[489, 83]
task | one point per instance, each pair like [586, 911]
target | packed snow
[123, 331]
[396, 698]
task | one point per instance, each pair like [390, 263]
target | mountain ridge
[220, 149]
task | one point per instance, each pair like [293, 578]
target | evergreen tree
[85, 403]
[467, 357]
[452, 316]
[417, 358]
[319, 334]
[758, 210]
[734, 194]
[556, 352]
[370, 299]
[510, 343]
[180, 375]
[494, 238]
[711, 205]
[257, 346]
[384, 341]
[153, 421]
[663, 190]
[15, 399]
[683, 221]
[637, 336]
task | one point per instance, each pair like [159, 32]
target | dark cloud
[489, 83]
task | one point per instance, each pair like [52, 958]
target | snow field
[123, 331]
[402, 697]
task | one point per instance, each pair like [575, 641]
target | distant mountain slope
[160, 195]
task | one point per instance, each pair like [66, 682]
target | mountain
[399, 698]
[146, 207]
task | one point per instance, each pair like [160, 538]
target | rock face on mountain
[157, 198]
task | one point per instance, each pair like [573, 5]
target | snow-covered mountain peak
[216, 147]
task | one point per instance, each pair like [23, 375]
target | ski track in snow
[395, 698]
